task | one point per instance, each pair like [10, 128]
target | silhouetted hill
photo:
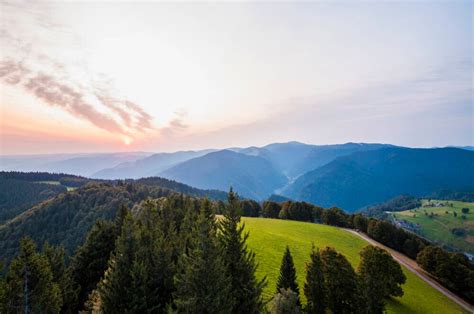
[148, 166]
[321, 155]
[250, 176]
[76, 164]
[369, 177]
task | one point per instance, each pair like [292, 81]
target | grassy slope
[439, 227]
[268, 238]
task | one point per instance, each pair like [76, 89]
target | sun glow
[127, 140]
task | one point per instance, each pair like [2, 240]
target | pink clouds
[125, 117]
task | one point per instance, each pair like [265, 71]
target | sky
[153, 76]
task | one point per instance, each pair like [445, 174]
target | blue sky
[153, 76]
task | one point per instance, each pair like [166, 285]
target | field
[269, 237]
[437, 225]
[69, 188]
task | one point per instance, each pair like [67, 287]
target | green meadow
[437, 223]
[269, 237]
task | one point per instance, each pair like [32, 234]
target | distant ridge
[370, 177]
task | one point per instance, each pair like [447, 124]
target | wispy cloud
[28, 66]
[176, 125]
[125, 117]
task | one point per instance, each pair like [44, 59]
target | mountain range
[351, 175]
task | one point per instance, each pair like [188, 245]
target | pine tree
[202, 283]
[30, 286]
[240, 261]
[287, 277]
[122, 212]
[91, 260]
[342, 286]
[153, 268]
[381, 277]
[114, 287]
[61, 275]
[314, 288]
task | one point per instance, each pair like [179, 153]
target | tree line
[173, 255]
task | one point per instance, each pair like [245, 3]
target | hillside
[396, 204]
[148, 166]
[369, 177]
[268, 238]
[251, 176]
[294, 159]
[66, 218]
[19, 195]
[442, 222]
[321, 155]
[75, 164]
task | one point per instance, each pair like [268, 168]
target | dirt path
[414, 268]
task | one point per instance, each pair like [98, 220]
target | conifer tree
[153, 268]
[91, 260]
[61, 275]
[240, 261]
[114, 287]
[287, 277]
[314, 288]
[342, 286]
[202, 283]
[30, 282]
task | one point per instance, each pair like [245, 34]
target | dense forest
[396, 204]
[17, 196]
[73, 219]
[173, 255]
[64, 218]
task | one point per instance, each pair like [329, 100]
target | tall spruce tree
[202, 283]
[90, 261]
[381, 277]
[287, 277]
[114, 288]
[30, 285]
[153, 268]
[342, 285]
[314, 287]
[56, 256]
[240, 261]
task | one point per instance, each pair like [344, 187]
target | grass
[69, 188]
[438, 227]
[50, 182]
[269, 237]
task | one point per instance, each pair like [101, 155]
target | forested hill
[19, 191]
[38, 204]
[370, 177]
[251, 176]
[67, 218]
[17, 196]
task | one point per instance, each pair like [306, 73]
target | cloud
[125, 117]
[26, 33]
[176, 125]
[131, 114]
